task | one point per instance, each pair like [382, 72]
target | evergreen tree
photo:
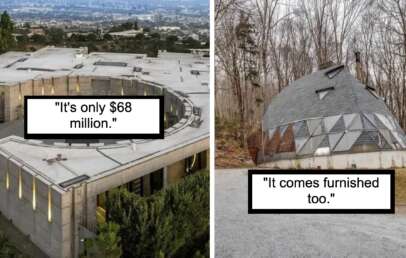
[106, 244]
[171, 223]
[7, 40]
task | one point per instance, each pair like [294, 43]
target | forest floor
[229, 153]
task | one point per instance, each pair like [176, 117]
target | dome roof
[344, 95]
[324, 113]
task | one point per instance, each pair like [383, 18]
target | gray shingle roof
[299, 101]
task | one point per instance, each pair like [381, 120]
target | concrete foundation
[366, 160]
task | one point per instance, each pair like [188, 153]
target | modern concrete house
[328, 119]
[54, 191]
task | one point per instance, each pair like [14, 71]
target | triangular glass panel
[314, 126]
[311, 145]
[384, 140]
[385, 121]
[300, 129]
[356, 123]
[348, 119]
[368, 138]
[379, 123]
[387, 135]
[299, 142]
[334, 138]
[339, 126]
[367, 125]
[371, 118]
[330, 121]
[347, 141]
[398, 138]
[324, 142]
[283, 129]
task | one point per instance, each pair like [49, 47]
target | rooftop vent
[196, 122]
[197, 111]
[78, 66]
[35, 69]
[323, 92]
[81, 141]
[118, 64]
[194, 72]
[22, 59]
[53, 160]
[137, 69]
[74, 181]
[333, 72]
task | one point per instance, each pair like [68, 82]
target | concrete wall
[175, 172]
[49, 236]
[367, 160]
[84, 85]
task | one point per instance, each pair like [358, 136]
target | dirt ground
[229, 153]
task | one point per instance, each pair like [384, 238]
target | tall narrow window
[34, 194]
[53, 86]
[77, 85]
[8, 176]
[42, 90]
[20, 93]
[49, 204]
[20, 185]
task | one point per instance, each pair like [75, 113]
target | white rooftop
[172, 70]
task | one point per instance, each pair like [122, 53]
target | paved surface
[297, 235]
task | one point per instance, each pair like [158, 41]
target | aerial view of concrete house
[328, 119]
[54, 191]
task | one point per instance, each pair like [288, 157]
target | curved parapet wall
[12, 102]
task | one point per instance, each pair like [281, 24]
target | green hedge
[8, 250]
[171, 223]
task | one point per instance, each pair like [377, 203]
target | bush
[7, 249]
[171, 223]
[106, 244]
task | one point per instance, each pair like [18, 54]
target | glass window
[347, 141]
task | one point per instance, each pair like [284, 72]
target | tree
[7, 249]
[171, 223]
[107, 243]
[55, 36]
[7, 40]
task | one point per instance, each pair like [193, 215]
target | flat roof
[171, 70]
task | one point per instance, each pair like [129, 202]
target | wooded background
[263, 45]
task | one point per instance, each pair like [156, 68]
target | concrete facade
[33, 196]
